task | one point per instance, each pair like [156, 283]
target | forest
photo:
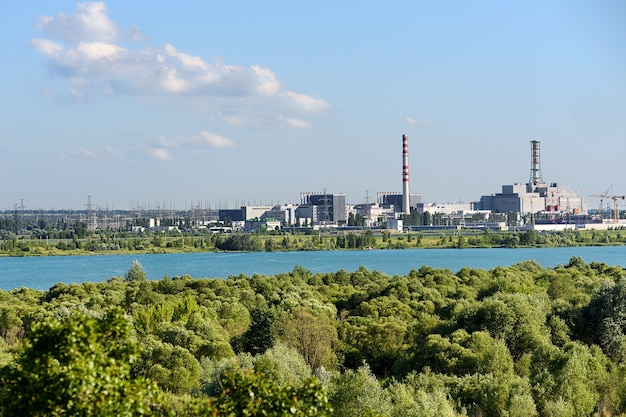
[85, 242]
[513, 341]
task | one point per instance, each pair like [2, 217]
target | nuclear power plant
[536, 204]
[535, 196]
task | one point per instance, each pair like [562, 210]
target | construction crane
[604, 195]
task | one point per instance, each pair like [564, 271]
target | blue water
[43, 272]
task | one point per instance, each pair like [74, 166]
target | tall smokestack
[535, 168]
[406, 205]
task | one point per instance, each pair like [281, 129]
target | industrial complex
[538, 205]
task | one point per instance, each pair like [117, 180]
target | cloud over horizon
[107, 153]
[162, 147]
[86, 50]
[424, 123]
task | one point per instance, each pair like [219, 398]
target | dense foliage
[512, 341]
[38, 243]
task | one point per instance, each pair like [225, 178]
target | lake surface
[43, 272]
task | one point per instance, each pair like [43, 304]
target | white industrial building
[533, 197]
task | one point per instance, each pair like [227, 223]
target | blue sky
[227, 103]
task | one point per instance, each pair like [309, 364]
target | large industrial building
[316, 209]
[535, 196]
[323, 208]
[395, 201]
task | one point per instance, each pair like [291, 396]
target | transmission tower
[91, 218]
[325, 210]
[16, 219]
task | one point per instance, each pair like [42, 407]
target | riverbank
[103, 244]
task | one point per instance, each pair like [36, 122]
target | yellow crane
[612, 197]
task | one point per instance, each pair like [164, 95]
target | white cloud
[84, 49]
[186, 61]
[161, 147]
[99, 51]
[304, 102]
[160, 153]
[295, 123]
[216, 141]
[83, 153]
[89, 23]
[267, 83]
[240, 121]
[106, 154]
[265, 122]
[425, 123]
[47, 47]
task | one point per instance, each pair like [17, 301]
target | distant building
[253, 212]
[305, 214]
[393, 200]
[532, 198]
[261, 225]
[286, 214]
[536, 196]
[394, 224]
[235, 215]
[329, 208]
[373, 214]
[447, 208]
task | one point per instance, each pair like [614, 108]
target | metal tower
[92, 223]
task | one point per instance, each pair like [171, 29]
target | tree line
[512, 341]
[289, 240]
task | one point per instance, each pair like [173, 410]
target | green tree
[270, 245]
[379, 341]
[260, 335]
[409, 401]
[518, 319]
[313, 336]
[582, 378]
[529, 238]
[358, 393]
[11, 325]
[283, 365]
[251, 393]
[240, 242]
[78, 366]
[135, 273]
[605, 319]
[174, 368]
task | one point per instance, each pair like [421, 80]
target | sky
[220, 104]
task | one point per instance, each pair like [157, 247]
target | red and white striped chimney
[535, 166]
[406, 205]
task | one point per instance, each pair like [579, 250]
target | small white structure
[394, 224]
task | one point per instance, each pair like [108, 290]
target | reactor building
[323, 208]
[534, 196]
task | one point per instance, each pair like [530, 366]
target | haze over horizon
[256, 102]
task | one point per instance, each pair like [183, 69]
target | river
[43, 272]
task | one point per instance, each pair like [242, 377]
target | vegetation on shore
[83, 242]
[512, 341]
